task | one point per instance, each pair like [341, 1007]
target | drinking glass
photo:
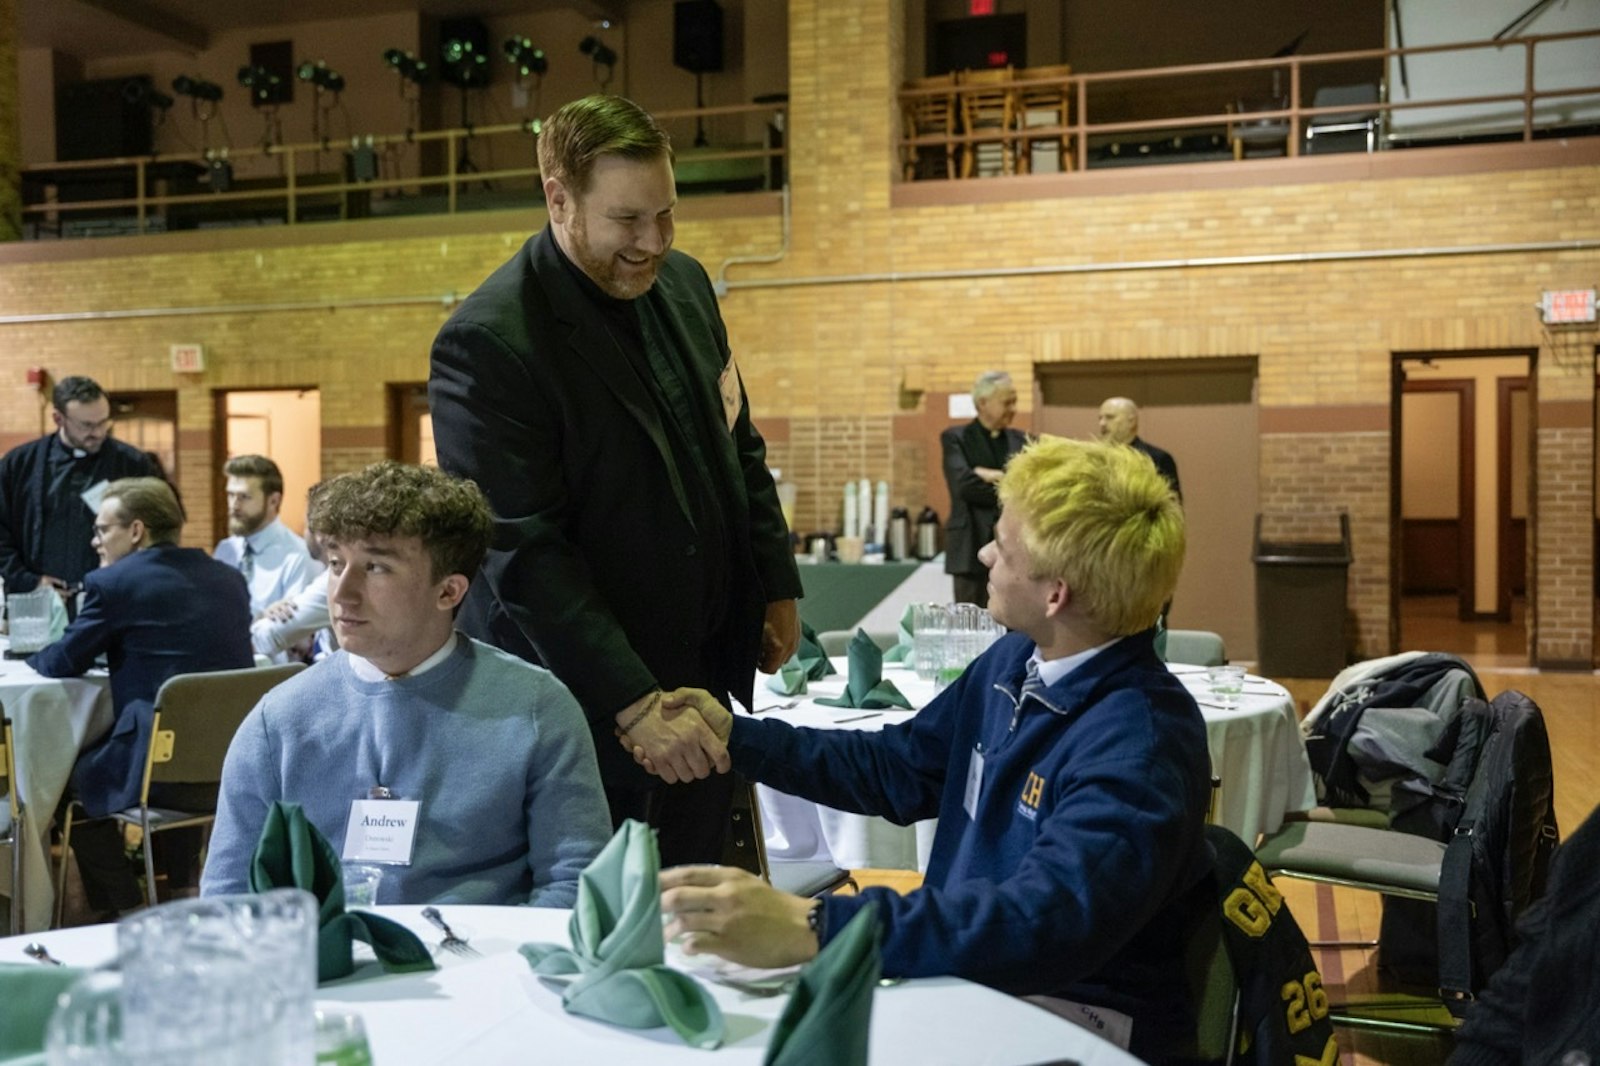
[361, 882]
[1227, 682]
[930, 628]
[94, 1025]
[30, 618]
[220, 965]
[341, 1039]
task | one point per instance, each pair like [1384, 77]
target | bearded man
[588, 387]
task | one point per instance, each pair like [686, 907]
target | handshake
[678, 736]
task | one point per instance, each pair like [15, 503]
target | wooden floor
[1497, 651]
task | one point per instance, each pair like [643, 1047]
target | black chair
[1335, 129]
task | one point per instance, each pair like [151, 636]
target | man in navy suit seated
[153, 609]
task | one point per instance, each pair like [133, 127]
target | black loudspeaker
[103, 119]
[469, 68]
[697, 36]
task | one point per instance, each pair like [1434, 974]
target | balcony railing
[185, 189]
[1094, 114]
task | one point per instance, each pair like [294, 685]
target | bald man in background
[1119, 424]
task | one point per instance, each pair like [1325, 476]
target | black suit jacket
[154, 613]
[974, 506]
[596, 570]
[1166, 465]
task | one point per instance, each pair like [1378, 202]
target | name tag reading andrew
[381, 831]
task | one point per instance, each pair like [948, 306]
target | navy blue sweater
[1077, 877]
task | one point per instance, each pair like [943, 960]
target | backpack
[1494, 810]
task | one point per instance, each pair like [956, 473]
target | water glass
[91, 1027]
[30, 618]
[930, 626]
[220, 965]
[1227, 683]
[341, 1039]
[361, 882]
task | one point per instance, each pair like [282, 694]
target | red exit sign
[1568, 305]
[980, 7]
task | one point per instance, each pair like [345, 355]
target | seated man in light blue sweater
[494, 752]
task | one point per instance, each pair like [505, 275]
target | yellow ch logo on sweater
[1032, 796]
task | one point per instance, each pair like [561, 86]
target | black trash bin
[1300, 604]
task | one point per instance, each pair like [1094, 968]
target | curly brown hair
[393, 499]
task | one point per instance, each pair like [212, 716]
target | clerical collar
[366, 671]
[76, 453]
[1053, 670]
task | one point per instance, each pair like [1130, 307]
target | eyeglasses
[88, 427]
[102, 528]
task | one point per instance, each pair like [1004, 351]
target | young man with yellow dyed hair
[1067, 768]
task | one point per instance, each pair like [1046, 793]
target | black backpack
[1494, 810]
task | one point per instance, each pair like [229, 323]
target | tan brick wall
[829, 362]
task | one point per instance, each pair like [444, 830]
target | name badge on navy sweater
[383, 831]
[969, 799]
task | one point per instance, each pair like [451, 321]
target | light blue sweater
[496, 751]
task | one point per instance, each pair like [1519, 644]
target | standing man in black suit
[49, 491]
[588, 388]
[974, 457]
[1119, 424]
[154, 610]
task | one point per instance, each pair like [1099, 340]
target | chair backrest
[1195, 647]
[197, 716]
[8, 771]
[1033, 98]
[987, 99]
[934, 113]
[1345, 95]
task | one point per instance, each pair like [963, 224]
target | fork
[39, 953]
[777, 707]
[451, 942]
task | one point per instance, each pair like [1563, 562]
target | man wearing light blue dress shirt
[273, 558]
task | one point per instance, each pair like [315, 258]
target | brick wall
[852, 374]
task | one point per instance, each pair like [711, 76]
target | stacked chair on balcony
[1042, 107]
[989, 114]
[931, 114]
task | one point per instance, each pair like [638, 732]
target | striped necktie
[247, 562]
[1032, 684]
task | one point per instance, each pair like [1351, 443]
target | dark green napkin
[28, 993]
[613, 971]
[827, 1018]
[904, 642]
[292, 853]
[811, 655]
[865, 686]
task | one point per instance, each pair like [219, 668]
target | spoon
[36, 951]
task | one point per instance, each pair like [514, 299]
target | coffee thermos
[899, 539]
[927, 534]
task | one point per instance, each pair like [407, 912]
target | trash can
[1301, 595]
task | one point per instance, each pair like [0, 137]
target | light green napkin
[811, 655]
[292, 853]
[902, 648]
[615, 962]
[827, 1018]
[790, 680]
[865, 686]
[28, 991]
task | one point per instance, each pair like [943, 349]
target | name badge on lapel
[95, 493]
[382, 831]
[728, 386]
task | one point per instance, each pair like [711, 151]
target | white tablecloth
[493, 1010]
[51, 720]
[1255, 748]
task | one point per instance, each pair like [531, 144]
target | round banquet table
[51, 720]
[493, 1010]
[1255, 746]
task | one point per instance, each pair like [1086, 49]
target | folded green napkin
[29, 993]
[826, 1020]
[865, 686]
[790, 680]
[901, 651]
[292, 853]
[811, 655]
[616, 954]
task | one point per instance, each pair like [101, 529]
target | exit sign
[188, 358]
[980, 7]
[1568, 305]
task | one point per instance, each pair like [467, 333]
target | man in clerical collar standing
[974, 457]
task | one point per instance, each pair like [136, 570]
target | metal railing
[1077, 88]
[299, 190]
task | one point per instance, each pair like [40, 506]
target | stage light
[463, 65]
[525, 57]
[138, 91]
[408, 66]
[198, 88]
[319, 75]
[595, 49]
[261, 82]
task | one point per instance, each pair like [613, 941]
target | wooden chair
[196, 716]
[989, 111]
[930, 115]
[13, 835]
[746, 847]
[1044, 106]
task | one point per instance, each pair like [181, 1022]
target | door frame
[1466, 485]
[1506, 388]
